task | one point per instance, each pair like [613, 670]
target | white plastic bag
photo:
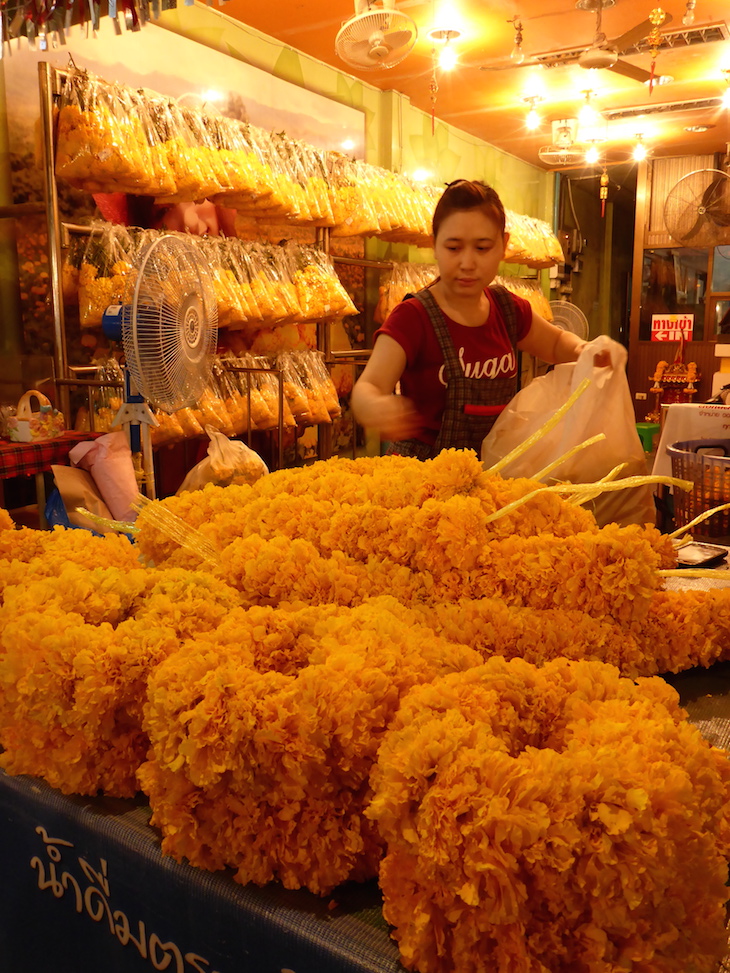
[605, 407]
[228, 461]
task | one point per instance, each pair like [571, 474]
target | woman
[453, 346]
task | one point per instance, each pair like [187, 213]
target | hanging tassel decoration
[604, 191]
[657, 18]
[433, 88]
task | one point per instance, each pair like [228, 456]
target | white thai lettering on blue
[95, 901]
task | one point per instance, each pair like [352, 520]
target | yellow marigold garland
[551, 819]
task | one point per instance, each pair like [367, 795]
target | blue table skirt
[86, 889]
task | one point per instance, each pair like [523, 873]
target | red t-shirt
[485, 352]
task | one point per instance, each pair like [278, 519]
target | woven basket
[707, 463]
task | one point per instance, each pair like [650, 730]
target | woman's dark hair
[467, 194]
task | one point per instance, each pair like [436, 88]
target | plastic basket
[706, 462]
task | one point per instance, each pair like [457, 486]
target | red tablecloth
[26, 459]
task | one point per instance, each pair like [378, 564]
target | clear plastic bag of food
[107, 270]
[193, 179]
[296, 395]
[96, 151]
[228, 462]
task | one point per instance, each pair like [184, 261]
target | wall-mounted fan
[167, 324]
[378, 36]
[562, 151]
[602, 54]
[569, 317]
[697, 209]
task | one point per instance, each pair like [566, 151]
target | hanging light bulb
[532, 120]
[588, 115]
[689, 13]
[592, 155]
[447, 55]
[726, 95]
[640, 151]
[517, 55]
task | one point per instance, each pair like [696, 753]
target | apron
[472, 404]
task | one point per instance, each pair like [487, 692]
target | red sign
[672, 327]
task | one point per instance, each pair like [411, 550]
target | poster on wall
[672, 327]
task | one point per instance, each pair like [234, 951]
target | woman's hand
[396, 418]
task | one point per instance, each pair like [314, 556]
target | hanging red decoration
[604, 191]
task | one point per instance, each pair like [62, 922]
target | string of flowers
[551, 818]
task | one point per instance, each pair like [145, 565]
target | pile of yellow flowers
[555, 818]
[375, 674]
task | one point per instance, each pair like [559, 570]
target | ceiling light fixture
[726, 95]
[517, 55]
[640, 150]
[592, 126]
[689, 13]
[447, 55]
[592, 155]
[533, 119]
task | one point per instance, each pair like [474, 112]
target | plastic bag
[229, 461]
[605, 407]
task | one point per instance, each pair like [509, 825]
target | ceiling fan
[602, 54]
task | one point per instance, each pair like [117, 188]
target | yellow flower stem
[176, 529]
[119, 526]
[611, 475]
[698, 519]
[542, 431]
[692, 573]
[567, 488]
[541, 474]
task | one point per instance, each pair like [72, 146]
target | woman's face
[468, 249]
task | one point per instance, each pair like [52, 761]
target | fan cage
[356, 39]
[169, 327]
[569, 317]
[697, 209]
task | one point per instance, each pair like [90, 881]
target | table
[35, 459]
[689, 421]
[86, 889]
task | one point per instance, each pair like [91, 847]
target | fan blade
[398, 38]
[634, 36]
[630, 71]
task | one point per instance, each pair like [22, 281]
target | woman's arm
[553, 345]
[373, 400]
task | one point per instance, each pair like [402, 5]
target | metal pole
[46, 76]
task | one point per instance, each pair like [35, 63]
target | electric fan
[569, 317]
[378, 36]
[697, 209]
[168, 328]
[562, 151]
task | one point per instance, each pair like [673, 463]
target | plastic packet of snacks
[238, 157]
[280, 203]
[267, 381]
[210, 410]
[293, 178]
[106, 271]
[322, 274]
[263, 280]
[193, 179]
[324, 398]
[229, 301]
[354, 214]
[315, 364]
[161, 174]
[253, 159]
[168, 430]
[234, 397]
[296, 395]
[318, 189]
[107, 400]
[282, 258]
[71, 267]
[94, 149]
